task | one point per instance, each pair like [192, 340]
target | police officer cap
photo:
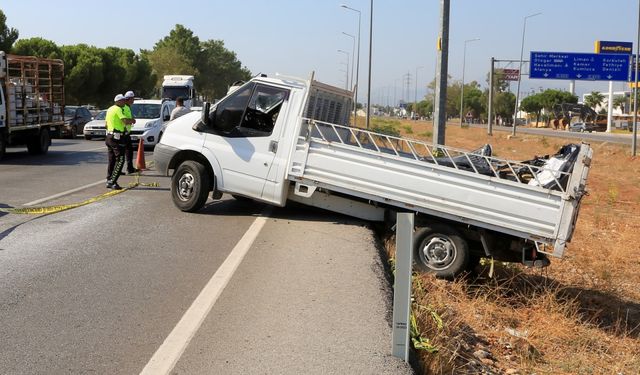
[129, 95]
[118, 98]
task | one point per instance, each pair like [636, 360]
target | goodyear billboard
[604, 46]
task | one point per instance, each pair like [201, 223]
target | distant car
[585, 127]
[92, 109]
[75, 119]
[96, 127]
[521, 121]
[150, 116]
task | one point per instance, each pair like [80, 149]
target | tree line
[539, 106]
[476, 100]
[94, 75]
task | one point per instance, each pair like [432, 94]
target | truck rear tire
[39, 144]
[190, 186]
[440, 250]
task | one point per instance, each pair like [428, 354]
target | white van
[150, 115]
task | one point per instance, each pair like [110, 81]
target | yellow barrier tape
[54, 209]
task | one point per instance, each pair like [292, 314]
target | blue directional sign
[580, 66]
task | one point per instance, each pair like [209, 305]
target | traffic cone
[140, 163]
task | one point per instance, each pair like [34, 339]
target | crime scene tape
[54, 209]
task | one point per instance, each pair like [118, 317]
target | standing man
[179, 110]
[128, 146]
[116, 127]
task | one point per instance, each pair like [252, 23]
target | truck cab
[252, 132]
[174, 86]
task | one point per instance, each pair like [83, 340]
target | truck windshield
[139, 110]
[173, 92]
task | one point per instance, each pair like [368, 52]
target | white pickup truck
[282, 139]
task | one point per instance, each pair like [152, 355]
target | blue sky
[295, 37]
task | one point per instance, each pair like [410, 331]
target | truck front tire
[39, 143]
[440, 250]
[190, 186]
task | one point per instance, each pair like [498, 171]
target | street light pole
[515, 112]
[415, 104]
[355, 105]
[370, 53]
[353, 51]
[464, 59]
[346, 53]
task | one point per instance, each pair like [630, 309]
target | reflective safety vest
[114, 118]
[127, 112]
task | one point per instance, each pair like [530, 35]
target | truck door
[246, 142]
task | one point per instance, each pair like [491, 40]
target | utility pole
[635, 91]
[370, 53]
[415, 104]
[440, 118]
[490, 105]
[405, 91]
[515, 111]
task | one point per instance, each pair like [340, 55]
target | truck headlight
[150, 124]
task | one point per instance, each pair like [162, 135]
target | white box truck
[281, 139]
[31, 101]
[174, 86]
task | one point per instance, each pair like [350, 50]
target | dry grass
[581, 315]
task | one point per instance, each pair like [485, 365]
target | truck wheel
[74, 132]
[440, 250]
[39, 144]
[190, 186]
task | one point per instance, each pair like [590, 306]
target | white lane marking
[38, 201]
[94, 149]
[168, 354]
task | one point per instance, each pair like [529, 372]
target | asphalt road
[113, 287]
[587, 137]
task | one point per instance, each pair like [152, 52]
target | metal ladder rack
[479, 161]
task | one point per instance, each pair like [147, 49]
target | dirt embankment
[581, 315]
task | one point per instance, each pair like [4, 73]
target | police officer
[116, 127]
[128, 145]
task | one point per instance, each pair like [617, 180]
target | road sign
[605, 46]
[509, 74]
[580, 66]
